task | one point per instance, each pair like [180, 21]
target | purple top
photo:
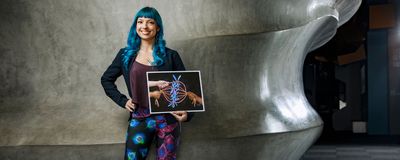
[138, 83]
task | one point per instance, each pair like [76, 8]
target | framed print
[175, 91]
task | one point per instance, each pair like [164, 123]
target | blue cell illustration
[143, 152]
[134, 123]
[174, 92]
[139, 138]
[131, 155]
[151, 123]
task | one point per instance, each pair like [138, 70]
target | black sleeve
[108, 81]
[179, 66]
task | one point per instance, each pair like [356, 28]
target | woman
[145, 51]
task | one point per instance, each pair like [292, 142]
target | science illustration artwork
[180, 90]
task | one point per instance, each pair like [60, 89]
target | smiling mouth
[145, 32]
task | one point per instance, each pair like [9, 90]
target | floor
[67, 152]
[341, 147]
[349, 146]
[352, 152]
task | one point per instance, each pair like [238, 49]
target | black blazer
[172, 62]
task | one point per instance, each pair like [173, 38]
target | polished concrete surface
[215, 149]
[115, 151]
[65, 152]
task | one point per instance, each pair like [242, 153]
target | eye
[139, 22]
[152, 22]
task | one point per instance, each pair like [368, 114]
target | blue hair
[133, 43]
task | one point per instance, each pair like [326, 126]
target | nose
[144, 25]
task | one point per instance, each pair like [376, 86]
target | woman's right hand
[130, 106]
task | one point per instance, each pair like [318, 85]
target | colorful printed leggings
[141, 133]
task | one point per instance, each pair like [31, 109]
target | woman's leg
[167, 141]
[139, 137]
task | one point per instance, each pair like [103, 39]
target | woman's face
[146, 28]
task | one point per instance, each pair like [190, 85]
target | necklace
[143, 58]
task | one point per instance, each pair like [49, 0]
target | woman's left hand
[180, 115]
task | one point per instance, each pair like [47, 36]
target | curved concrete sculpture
[251, 56]
[250, 53]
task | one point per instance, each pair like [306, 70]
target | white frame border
[201, 90]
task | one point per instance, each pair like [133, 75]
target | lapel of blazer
[164, 67]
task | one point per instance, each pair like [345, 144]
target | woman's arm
[108, 81]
